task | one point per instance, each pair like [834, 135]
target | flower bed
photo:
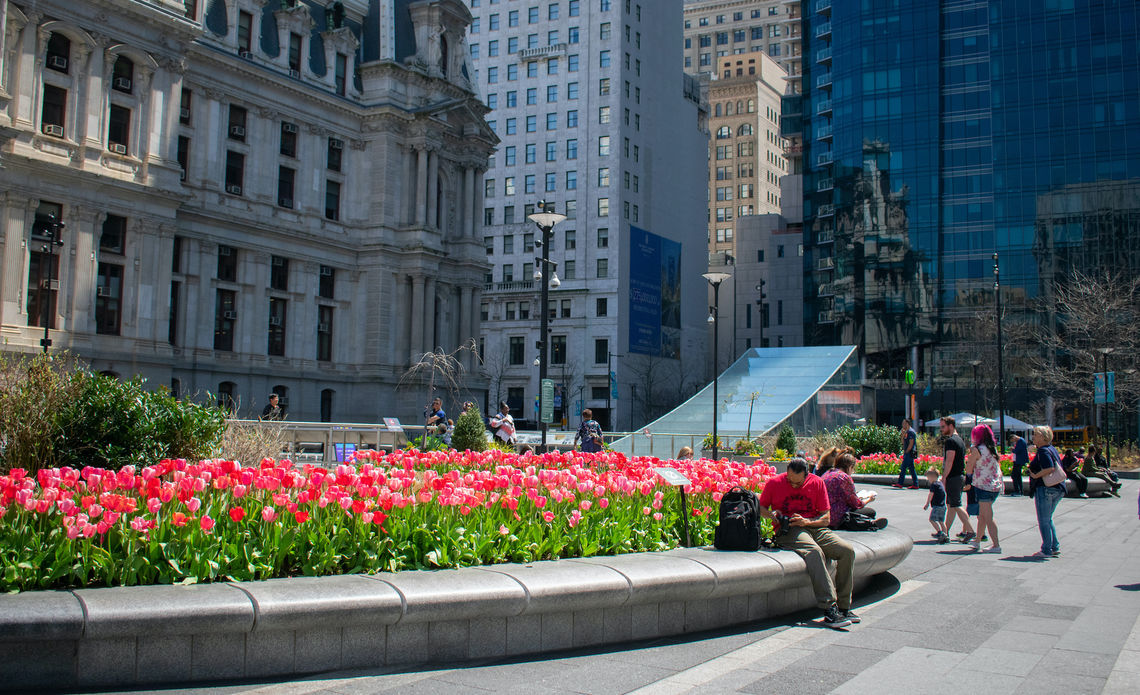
[891, 463]
[178, 521]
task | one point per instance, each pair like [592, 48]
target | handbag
[1057, 475]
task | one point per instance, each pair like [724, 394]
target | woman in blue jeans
[1045, 497]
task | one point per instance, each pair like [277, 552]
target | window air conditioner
[285, 202]
[336, 144]
[123, 84]
[117, 148]
[234, 189]
[322, 328]
[53, 129]
[184, 114]
[296, 74]
[274, 321]
[278, 261]
[102, 292]
[245, 54]
[229, 315]
[57, 62]
[237, 131]
[326, 271]
[288, 127]
[224, 251]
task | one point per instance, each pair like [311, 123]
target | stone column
[433, 189]
[200, 318]
[303, 332]
[467, 213]
[25, 93]
[421, 186]
[417, 317]
[3, 44]
[16, 220]
[134, 276]
[429, 318]
[477, 217]
[253, 316]
[161, 275]
[465, 333]
[84, 242]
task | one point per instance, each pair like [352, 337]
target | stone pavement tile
[1128, 660]
[1047, 681]
[730, 682]
[1122, 683]
[1001, 661]
[797, 681]
[900, 671]
[874, 637]
[1043, 609]
[1010, 640]
[963, 680]
[1044, 626]
[1080, 663]
[843, 658]
[601, 677]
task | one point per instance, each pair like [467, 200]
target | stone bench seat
[127, 636]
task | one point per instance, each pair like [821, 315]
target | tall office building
[715, 29]
[257, 196]
[939, 133]
[596, 117]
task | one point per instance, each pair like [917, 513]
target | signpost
[672, 476]
[1104, 387]
[546, 408]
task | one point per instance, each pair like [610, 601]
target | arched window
[326, 405]
[59, 52]
[443, 55]
[723, 132]
[740, 106]
[745, 129]
[728, 108]
[718, 113]
[282, 395]
[751, 106]
[226, 400]
[176, 389]
[122, 75]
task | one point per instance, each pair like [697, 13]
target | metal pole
[1107, 413]
[762, 283]
[609, 390]
[716, 364]
[49, 248]
[975, 394]
[1001, 374]
[544, 328]
[685, 516]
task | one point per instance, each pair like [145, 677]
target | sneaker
[992, 549]
[913, 487]
[936, 534]
[967, 537]
[1055, 553]
[975, 546]
[960, 535]
[898, 485]
[985, 538]
[880, 524]
[834, 619]
[850, 615]
[1041, 554]
[943, 539]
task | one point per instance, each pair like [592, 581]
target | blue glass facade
[940, 132]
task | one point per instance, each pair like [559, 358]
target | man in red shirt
[802, 498]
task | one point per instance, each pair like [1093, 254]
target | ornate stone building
[256, 195]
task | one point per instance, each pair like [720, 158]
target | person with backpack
[1047, 487]
[849, 511]
[590, 433]
[796, 501]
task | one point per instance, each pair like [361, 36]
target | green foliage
[871, 439]
[747, 447]
[786, 439]
[500, 445]
[431, 444]
[55, 413]
[781, 455]
[707, 443]
[469, 433]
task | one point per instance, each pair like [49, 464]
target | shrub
[53, 412]
[786, 439]
[748, 447]
[469, 433]
[871, 439]
[248, 442]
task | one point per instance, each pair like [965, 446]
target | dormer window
[245, 34]
[122, 75]
[58, 52]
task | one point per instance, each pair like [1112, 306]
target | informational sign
[671, 476]
[546, 408]
[910, 377]
[393, 424]
[1104, 387]
[344, 451]
[613, 386]
[654, 295]
[579, 406]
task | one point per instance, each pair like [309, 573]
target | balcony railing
[826, 290]
[823, 81]
[826, 210]
[825, 184]
[823, 132]
[823, 6]
[823, 30]
[826, 236]
[823, 159]
[512, 286]
[823, 55]
[827, 317]
[543, 52]
[823, 106]
[825, 263]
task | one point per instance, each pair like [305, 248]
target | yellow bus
[1071, 436]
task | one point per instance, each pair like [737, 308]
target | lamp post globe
[545, 218]
[715, 280]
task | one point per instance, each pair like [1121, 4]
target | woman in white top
[983, 469]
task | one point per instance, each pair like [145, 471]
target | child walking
[936, 503]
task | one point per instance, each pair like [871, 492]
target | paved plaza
[946, 620]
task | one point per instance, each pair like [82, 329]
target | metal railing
[330, 442]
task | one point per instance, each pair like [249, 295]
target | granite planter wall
[179, 634]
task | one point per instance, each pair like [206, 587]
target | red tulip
[237, 514]
[206, 523]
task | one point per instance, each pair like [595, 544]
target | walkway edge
[132, 636]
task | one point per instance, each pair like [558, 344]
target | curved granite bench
[1097, 487]
[168, 634]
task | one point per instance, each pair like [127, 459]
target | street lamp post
[55, 238]
[760, 303]
[715, 279]
[1107, 411]
[1001, 375]
[974, 364]
[610, 383]
[545, 218]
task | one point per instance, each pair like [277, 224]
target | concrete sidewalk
[948, 620]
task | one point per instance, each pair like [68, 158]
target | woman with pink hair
[983, 470]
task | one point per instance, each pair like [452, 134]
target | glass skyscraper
[937, 133]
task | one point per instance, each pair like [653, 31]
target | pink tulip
[193, 504]
[548, 517]
[206, 523]
[268, 514]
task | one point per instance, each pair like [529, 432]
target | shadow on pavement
[1128, 587]
[1024, 558]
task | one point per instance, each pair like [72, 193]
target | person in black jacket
[1072, 466]
[273, 411]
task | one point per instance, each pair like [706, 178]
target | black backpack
[739, 527]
